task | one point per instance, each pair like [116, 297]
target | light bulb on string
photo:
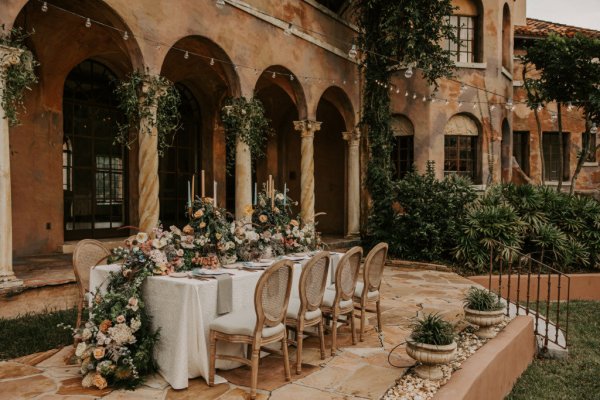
[406, 94]
[273, 75]
[594, 129]
[414, 96]
[492, 107]
[391, 88]
[186, 55]
[540, 108]
[424, 99]
[460, 104]
[44, 6]
[344, 82]
[212, 61]
[220, 3]
[397, 91]
[126, 36]
[463, 88]
[88, 23]
[409, 72]
[291, 77]
[288, 30]
[553, 117]
[353, 52]
[474, 106]
[509, 104]
[235, 67]
[570, 107]
[447, 102]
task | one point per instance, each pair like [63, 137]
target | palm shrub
[479, 299]
[432, 329]
[427, 214]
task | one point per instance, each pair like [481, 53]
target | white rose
[141, 237]
[80, 349]
[86, 334]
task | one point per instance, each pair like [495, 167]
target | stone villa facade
[61, 179]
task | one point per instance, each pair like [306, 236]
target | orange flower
[188, 230]
[99, 381]
[99, 353]
[104, 325]
[263, 218]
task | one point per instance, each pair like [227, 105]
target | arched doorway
[94, 170]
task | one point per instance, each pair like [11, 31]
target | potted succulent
[484, 309]
[432, 344]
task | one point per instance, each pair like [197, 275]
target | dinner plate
[295, 258]
[258, 263]
[178, 274]
[207, 272]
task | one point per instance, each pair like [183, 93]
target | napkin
[224, 294]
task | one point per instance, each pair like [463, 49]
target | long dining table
[183, 308]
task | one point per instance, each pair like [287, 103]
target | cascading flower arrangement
[213, 233]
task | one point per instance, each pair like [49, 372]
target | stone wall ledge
[492, 371]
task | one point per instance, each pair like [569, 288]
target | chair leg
[79, 316]
[299, 340]
[363, 317]
[254, 367]
[212, 358]
[322, 339]
[286, 357]
[334, 333]
[352, 327]
[379, 323]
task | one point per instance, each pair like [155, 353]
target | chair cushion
[294, 309]
[242, 323]
[329, 298]
[359, 289]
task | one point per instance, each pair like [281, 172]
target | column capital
[9, 56]
[352, 137]
[307, 127]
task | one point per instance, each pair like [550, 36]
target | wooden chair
[305, 311]
[265, 326]
[339, 302]
[88, 253]
[367, 291]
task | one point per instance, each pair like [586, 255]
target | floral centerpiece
[213, 234]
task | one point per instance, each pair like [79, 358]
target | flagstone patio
[356, 372]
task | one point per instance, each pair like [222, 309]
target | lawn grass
[32, 333]
[577, 377]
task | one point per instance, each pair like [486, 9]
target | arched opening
[462, 143]
[403, 147]
[284, 103]
[506, 152]
[506, 39]
[199, 144]
[467, 23]
[94, 170]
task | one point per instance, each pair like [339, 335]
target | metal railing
[526, 283]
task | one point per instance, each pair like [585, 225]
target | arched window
[94, 170]
[506, 42]
[467, 24]
[403, 150]
[461, 147]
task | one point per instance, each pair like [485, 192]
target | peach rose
[121, 319]
[99, 381]
[198, 214]
[104, 325]
[263, 218]
[99, 353]
[202, 225]
[294, 222]
[188, 230]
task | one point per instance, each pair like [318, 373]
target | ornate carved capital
[307, 128]
[9, 56]
[352, 137]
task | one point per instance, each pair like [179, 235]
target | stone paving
[356, 372]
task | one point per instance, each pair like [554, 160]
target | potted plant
[432, 344]
[484, 309]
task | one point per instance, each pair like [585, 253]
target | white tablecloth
[183, 309]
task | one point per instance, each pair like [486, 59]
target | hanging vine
[245, 119]
[138, 95]
[395, 33]
[17, 77]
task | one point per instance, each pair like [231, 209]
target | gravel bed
[411, 387]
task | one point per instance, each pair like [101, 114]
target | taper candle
[255, 193]
[193, 189]
[202, 183]
[189, 200]
[284, 194]
[215, 193]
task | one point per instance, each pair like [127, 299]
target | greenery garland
[138, 95]
[17, 77]
[245, 119]
[395, 33]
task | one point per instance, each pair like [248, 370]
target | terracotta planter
[486, 320]
[431, 357]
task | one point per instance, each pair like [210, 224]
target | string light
[397, 91]
[414, 96]
[44, 6]
[406, 94]
[594, 129]
[353, 52]
[288, 30]
[570, 107]
[460, 104]
[220, 3]
[186, 55]
[447, 102]
[212, 61]
[492, 107]
[509, 104]
[273, 76]
[88, 23]
[291, 77]
[474, 106]
[344, 82]
[540, 108]
[463, 88]
[409, 72]
[126, 36]
[424, 99]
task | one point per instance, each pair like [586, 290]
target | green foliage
[32, 333]
[482, 300]
[17, 77]
[392, 33]
[558, 229]
[432, 329]
[427, 214]
[138, 96]
[245, 119]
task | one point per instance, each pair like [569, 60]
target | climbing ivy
[392, 34]
[137, 95]
[18, 77]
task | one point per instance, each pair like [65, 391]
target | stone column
[148, 183]
[8, 56]
[307, 129]
[243, 179]
[353, 188]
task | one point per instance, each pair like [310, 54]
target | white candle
[189, 199]
[202, 183]
[215, 193]
[255, 193]
[284, 194]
